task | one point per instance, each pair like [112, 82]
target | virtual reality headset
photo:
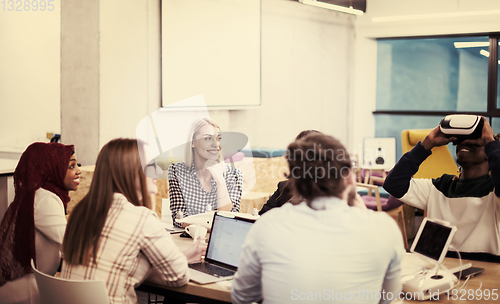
[462, 126]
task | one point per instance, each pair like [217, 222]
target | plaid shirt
[185, 186]
[132, 241]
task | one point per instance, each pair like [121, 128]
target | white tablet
[433, 239]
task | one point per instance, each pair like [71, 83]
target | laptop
[223, 251]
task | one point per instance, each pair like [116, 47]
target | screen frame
[215, 262]
[444, 250]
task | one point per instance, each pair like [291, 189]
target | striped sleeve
[163, 253]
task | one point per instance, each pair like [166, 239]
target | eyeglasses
[153, 170]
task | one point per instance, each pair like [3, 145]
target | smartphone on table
[469, 272]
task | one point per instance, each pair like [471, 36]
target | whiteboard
[211, 47]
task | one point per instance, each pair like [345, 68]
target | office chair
[61, 291]
[392, 206]
[437, 164]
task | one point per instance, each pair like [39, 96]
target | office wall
[80, 77]
[309, 58]
[130, 85]
[306, 69]
[306, 61]
[483, 18]
[126, 83]
[29, 76]
[110, 70]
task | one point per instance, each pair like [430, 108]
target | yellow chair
[440, 161]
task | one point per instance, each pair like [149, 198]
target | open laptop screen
[227, 238]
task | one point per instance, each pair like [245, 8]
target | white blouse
[50, 224]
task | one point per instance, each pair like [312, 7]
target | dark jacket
[279, 197]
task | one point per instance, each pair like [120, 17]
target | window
[420, 80]
[498, 73]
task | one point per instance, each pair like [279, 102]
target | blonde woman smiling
[203, 182]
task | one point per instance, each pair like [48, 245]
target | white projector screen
[211, 47]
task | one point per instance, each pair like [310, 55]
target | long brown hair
[117, 169]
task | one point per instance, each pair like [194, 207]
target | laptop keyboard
[212, 269]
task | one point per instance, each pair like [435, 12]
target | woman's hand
[223, 200]
[215, 169]
[195, 252]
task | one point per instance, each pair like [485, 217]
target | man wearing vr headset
[471, 202]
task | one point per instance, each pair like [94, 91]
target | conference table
[191, 292]
[476, 287]
[487, 282]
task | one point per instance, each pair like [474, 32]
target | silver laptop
[223, 251]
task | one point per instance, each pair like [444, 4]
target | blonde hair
[195, 127]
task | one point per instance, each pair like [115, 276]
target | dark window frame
[492, 109]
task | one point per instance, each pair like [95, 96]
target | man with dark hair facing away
[328, 247]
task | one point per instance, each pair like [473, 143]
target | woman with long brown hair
[114, 236]
[34, 224]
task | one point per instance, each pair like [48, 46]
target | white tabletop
[8, 166]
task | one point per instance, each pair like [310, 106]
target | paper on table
[205, 219]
